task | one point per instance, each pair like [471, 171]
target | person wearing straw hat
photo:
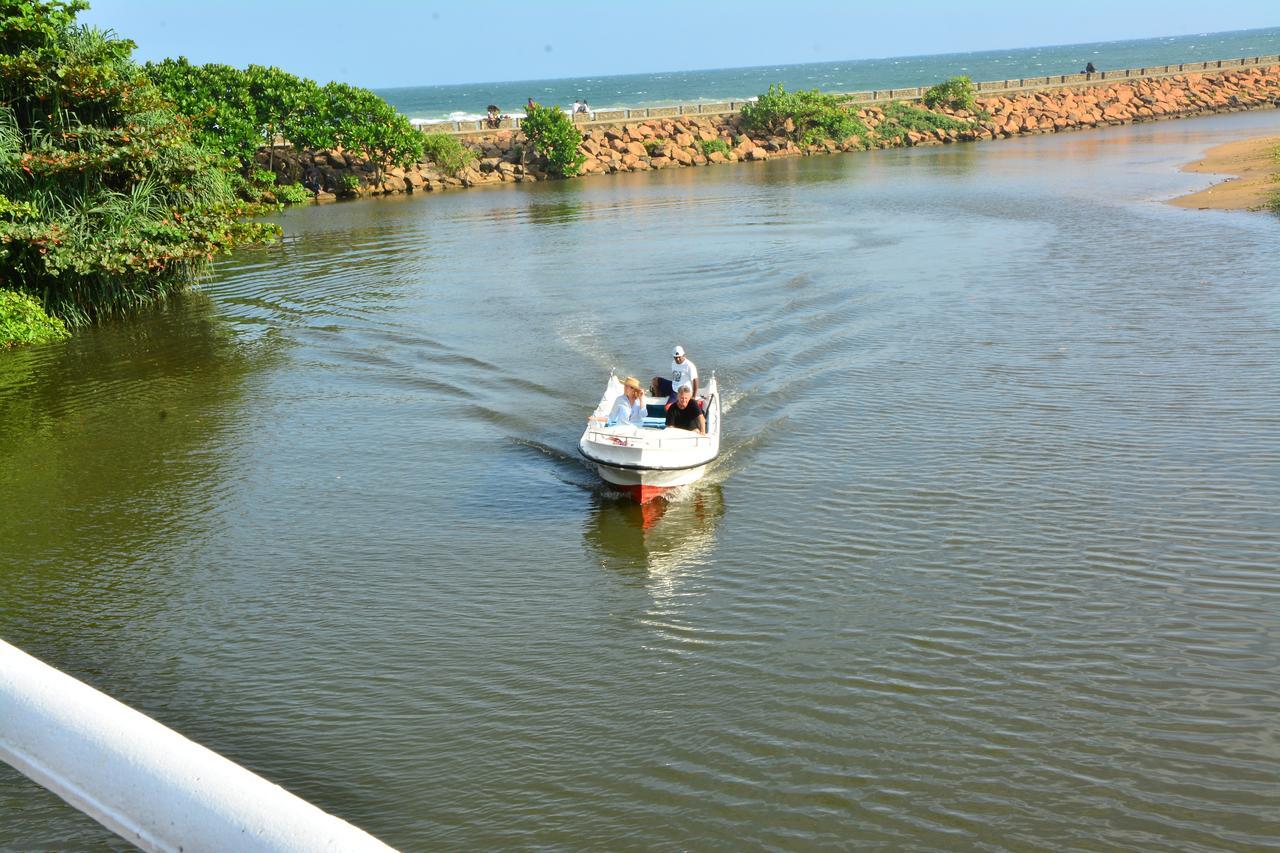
[629, 408]
[683, 372]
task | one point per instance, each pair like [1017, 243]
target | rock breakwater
[503, 156]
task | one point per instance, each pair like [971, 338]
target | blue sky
[384, 43]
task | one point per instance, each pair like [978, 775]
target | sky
[390, 43]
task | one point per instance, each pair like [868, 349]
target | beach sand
[1255, 166]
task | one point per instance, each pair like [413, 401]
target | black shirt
[686, 418]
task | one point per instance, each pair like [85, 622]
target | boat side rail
[650, 442]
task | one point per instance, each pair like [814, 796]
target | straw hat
[632, 382]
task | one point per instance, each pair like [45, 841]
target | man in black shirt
[686, 414]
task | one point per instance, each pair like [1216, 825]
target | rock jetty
[503, 156]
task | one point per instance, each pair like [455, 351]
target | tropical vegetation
[901, 118]
[447, 152]
[237, 112]
[958, 93]
[804, 116]
[552, 135]
[107, 201]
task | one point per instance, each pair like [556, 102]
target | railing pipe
[143, 781]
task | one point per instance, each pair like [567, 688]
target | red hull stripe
[642, 494]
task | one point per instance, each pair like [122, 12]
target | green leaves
[106, 201]
[447, 152]
[552, 134]
[806, 116]
[958, 93]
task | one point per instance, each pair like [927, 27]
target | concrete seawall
[683, 140]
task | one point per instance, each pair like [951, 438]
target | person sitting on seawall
[686, 414]
[629, 408]
[1089, 69]
[494, 118]
[683, 372]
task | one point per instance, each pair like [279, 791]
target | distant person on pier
[581, 106]
[1089, 69]
[683, 372]
[530, 104]
[495, 116]
[629, 408]
[686, 414]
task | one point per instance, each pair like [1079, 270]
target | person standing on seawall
[683, 372]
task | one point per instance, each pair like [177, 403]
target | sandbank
[1255, 166]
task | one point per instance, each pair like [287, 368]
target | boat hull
[645, 485]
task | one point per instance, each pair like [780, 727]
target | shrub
[813, 115]
[24, 321]
[958, 93]
[350, 182]
[291, 193]
[236, 111]
[711, 146]
[447, 152]
[899, 118]
[106, 201]
[653, 146]
[552, 134]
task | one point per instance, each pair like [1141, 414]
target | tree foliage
[552, 134]
[106, 200]
[958, 93]
[813, 116]
[237, 111]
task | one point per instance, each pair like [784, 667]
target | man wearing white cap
[683, 372]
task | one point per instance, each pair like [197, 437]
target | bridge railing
[143, 781]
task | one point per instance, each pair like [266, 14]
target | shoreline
[1254, 167]
[681, 141]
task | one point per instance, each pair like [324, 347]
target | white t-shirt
[682, 374]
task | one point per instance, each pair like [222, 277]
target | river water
[990, 561]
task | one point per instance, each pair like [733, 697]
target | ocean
[469, 100]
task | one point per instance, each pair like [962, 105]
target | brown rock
[757, 154]
[637, 149]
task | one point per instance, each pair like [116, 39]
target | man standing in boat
[629, 408]
[683, 372]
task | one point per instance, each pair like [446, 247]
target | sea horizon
[466, 101]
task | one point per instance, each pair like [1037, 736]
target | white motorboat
[646, 461]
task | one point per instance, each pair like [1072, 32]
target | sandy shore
[1252, 161]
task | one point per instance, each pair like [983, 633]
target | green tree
[552, 134]
[106, 201]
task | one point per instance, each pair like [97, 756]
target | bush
[106, 201]
[447, 152]
[237, 111]
[653, 146]
[552, 134]
[291, 193]
[711, 146]
[24, 321]
[958, 93]
[899, 118]
[350, 182]
[814, 116]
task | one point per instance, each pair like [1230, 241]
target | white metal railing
[143, 781]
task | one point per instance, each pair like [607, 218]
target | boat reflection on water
[660, 539]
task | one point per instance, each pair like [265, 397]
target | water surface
[990, 560]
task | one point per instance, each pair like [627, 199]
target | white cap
[677, 351]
